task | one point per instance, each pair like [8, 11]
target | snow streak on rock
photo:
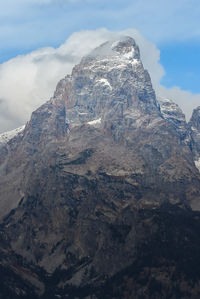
[5, 137]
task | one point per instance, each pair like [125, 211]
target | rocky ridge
[102, 181]
[6, 136]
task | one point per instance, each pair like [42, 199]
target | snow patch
[104, 82]
[5, 137]
[116, 62]
[129, 54]
[94, 122]
[195, 130]
[197, 164]
[82, 113]
[135, 61]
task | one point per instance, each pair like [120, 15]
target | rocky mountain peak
[195, 119]
[6, 136]
[174, 115]
[99, 183]
[124, 48]
[126, 45]
[109, 83]
[118, 53]
[194, 126]
[171, 110]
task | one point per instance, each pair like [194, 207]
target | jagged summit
[171, 110]
[109, 83]
[195, 118]
[116, 53]
[6, 136]
[124, 47]
[194, 125]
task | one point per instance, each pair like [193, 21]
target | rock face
[99, 195]
[5, 137]
[173, 114]
[194, 125]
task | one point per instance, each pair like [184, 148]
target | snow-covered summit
[125, 47]
[6, 136]
[114, 54]
[107, 83]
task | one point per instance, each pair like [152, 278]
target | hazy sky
[44, 32]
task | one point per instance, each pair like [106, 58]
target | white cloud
[29, 80]
[24, 24]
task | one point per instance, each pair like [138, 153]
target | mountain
[100, 192]
[5, 137]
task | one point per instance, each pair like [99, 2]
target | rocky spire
[109, 83]
[195, 119]
[194, 126]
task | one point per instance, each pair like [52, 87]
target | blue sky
[172, 26]
[181, 61]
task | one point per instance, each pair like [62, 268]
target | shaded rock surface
[194, 125]
[99, 195]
